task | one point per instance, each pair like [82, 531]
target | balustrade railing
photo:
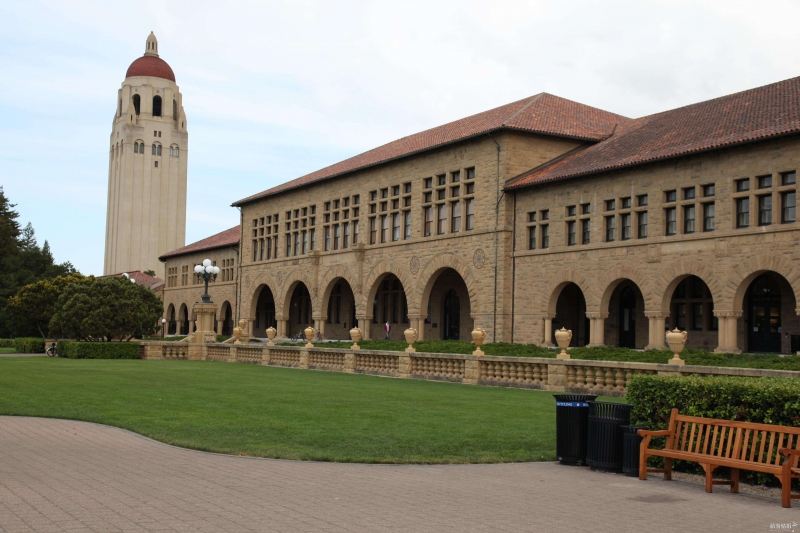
[609, 378]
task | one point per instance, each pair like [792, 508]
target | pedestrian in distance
[387, 328]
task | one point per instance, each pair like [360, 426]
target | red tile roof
[544, 113]
[150, 66]
[761, 113]
[229, 237]
[151, 282]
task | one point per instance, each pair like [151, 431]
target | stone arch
[225, 329]
[430, 272]
[557, 283]
[625, 272]
[329, 280]
[184, 317]
[373, 281]
[748, 270]
[259, 283]
[678, 272]
[283, 295]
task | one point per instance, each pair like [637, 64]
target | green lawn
[287, 413]
[8, 350]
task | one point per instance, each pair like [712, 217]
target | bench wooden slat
[735, 424]
[760, 457]
[683, 440]
[730, 442]
[705, 439]
[692, 429]
[771, 460]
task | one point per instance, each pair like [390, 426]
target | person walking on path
[387, 328]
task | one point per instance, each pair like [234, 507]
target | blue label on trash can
[572, 404]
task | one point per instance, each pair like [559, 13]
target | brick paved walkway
[58, 475]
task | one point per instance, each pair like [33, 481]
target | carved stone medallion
[415, 265]
[479, 259]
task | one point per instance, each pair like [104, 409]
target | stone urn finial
[563, 338]
[355, 336]
[411, 336]
[676, 339]
[237, 334]
[271, 332]
[309, 331]
[478, 338]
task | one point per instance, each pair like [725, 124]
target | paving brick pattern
[58, 476]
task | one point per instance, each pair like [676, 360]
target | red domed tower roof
[150, 64]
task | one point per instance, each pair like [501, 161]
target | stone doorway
[451, 315]
[764, 309]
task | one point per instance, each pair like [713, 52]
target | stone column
[597, 324]
[728, 338]
[363, 325]
[319, 324]
[657, 330]
[548, 331]
[281, 327]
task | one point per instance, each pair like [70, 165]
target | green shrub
[6, 343]
[761, 400]
[98, 350]
[29, 345]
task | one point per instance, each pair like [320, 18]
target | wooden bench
[738, 445]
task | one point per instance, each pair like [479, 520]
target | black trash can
[630, 454]
[604, 444]
[572, 419]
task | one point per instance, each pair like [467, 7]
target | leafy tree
[30, 310]
[106, 309]
[22, 260]
[150, 273]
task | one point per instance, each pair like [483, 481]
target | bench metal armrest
[649, 433]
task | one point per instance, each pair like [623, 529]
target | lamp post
[206, 272]
[163, 326]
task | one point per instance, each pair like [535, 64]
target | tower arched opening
[448, 307]
[571, 314]
[299, 310]
[264, 312]
[626, 326]
[156, 106]
[692, 309]
[340, 310]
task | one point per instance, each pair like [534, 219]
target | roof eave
[261, 196]
[172, 255]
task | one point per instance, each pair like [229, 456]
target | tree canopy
[22, 260]
[111, 308]
[30, 310]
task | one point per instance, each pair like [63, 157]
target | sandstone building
[540, 214]
[146, 214]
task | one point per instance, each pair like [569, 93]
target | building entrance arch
[764, 315]
[451, 316]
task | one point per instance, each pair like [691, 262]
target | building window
[428, 228]
[709, 190]
[312, 239]
[680, 316]
[532, 216]
[642, 224]
[428, 183]
[456, 176]
[688, 219]
[442, 219]
[626, 203]
[407, 225]
[288, 245]
[788, 178]
[697, 316]
[455, 223]
[328, 237]
[765, 210]
[611, 205]
[570, 210]
[708, 217]
[441, 179]
[296, 243]
[670, 216]
[373, 230]
[611, 228]
[545, 234]
[625, 222]
[641, 200]
[688, 193]
[764, 182]
[670, 196]
[470, 208]
[396, 226]
[586, 209]
[585, 231]
[743, 185]
[742, 212]
[384, 228]
[571, 237]
[336, 236]
[531, 237]
[346, 235]
[788, 207]
[305, 242]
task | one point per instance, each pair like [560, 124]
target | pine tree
[9, 227]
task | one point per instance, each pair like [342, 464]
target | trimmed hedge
[6, 343]
[98, 350]
[29, 345]
[761, 400]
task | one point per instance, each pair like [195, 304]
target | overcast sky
[274, 90]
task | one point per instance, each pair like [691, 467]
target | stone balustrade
[607, 378]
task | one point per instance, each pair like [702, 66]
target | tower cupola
[151, 46]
